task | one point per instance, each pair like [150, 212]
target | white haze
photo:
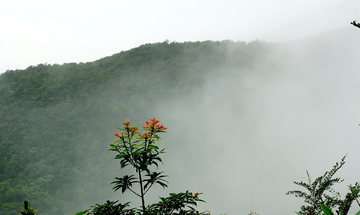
[242, 141]
[40, 31]
[302, 115]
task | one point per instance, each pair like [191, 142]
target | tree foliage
[27, 210]
[55, 119]
[176, 204]
[141, 154]
[354, 23]
[320, 192]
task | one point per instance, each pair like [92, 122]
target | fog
[242, 140]
[81, 31]
[245, 135]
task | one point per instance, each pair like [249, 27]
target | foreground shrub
[140, 151]
[319, 190]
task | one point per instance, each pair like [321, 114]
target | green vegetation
[319, 191]
[140, 152]
[140, 156]
[27, 210]
[327, 211]
[55, 120]
[354, 23]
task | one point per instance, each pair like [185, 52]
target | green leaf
[120, 156]
[82, 213]
[137, 152]
[326, 210]
[153, 147]
[124, 183]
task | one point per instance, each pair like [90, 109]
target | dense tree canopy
[55, 120]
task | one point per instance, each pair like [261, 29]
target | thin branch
[148, 188]
[134, 192]
[355, 24]
[352, 190]
[308, 177]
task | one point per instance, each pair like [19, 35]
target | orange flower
[127, 123]
[154, 121]
[151, 124]
[146, 135]
[148, 125]
[134, 129]
[196, 194]
[119, 135]
[160, 127]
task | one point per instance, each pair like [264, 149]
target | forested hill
[56, 121]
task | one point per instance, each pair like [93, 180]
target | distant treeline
[56, 121]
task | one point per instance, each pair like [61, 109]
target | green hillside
[56, 121]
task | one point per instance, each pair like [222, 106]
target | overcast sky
[43, 31]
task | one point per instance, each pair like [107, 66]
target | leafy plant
[27, 210]
[176, 204]
[345, 204]
[108, 208]
[316, 191]
[317, 196]
[328, 211]
[141, 154]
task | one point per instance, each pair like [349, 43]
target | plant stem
[142, 192]
[355, 195]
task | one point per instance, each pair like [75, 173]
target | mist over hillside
[254, 134]
[245, 121]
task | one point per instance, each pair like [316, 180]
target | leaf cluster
[108, 208]
[176, 204]
[318, 193]
[328, 211]
[345, 204]
[27, 210]
[315, 195]
[126, 182]
[355, 24]
[140, 153]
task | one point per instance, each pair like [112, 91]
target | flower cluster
[143, 153]
[119, 135]
[129, 128]
[152, 126]
[146, 135]
[129, 131]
